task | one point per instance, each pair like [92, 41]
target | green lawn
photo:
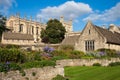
[92, 73]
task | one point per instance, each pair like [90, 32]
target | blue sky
[100, 12]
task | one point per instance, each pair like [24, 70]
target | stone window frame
[89, 45]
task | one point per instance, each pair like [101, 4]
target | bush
[96, 64]
[96, 54]
[5, 67]
[9, 46]
[11, 55]
[33, 55]
[58, 53]
[109, 52]
[67, 47]
[114, 64]
[76, 54]
[12, 46]
[59, 77]
[59, 58]
[38, 64]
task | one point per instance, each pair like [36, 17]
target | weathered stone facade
[21, 28]
[93, 37]
[24, 26]
[90, 33]
[27, 32]
[68, 25]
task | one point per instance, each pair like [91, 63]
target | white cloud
[112, 14]
[6, 4]
[69, 9]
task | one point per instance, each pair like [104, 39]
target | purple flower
[102, 53]
[48, 49]
[7, 63]
[118, 53]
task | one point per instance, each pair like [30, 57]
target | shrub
[12, 46]
[11, 55]
[14, 66]
[59, 77]
[47, 63]
[5, 67]
[114, 64]
[58, 53]
[38, 64]
[9, 46]
[76, 54]
[33, 55]
[37, 56]
[67, 47]
[54, 58]
[109, 52]
[96, 64]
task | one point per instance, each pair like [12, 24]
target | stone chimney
[114, 28]
[103, 26]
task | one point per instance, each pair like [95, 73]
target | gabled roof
[17, 36]
[70, 40]
[111, 37]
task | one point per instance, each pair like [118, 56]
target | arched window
[11, 23]
[32, 29]
[36, 30]
[21, 28]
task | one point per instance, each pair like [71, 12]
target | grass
[92, 73]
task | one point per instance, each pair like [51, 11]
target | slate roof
[112, 37]
[70, 40]
[17, 36]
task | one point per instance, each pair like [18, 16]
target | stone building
[27, 32]
[22, 31]
[94, 37]
[67, 24]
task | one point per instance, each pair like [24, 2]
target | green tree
[2, 24]
[54, 32]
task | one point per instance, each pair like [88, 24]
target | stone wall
[85, 62]
[46, 73]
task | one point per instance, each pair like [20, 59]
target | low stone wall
[46, 73]
[86, 62]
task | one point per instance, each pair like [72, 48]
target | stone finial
[18, 15]
[103, 26]
[30, 18]
[40, 20]
[62, 19]
[71, 21]
[25, 17]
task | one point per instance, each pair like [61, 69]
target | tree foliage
[2, 24]
[54, 32]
